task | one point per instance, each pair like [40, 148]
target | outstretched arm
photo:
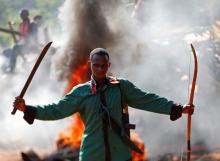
[147, 101]
[64, 108]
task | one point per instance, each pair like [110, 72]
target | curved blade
[36, 65]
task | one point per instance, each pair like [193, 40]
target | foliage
[9, 11]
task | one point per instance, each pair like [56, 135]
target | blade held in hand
[36, 65]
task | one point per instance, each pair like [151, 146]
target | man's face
[99, 66]
[38, 21]
[24, 15]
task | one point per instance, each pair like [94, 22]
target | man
[20, 47]
[16, 50]
[99, 101]
[24, 25]
[35, 28]
[29, 41]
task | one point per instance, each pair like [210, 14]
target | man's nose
[100, 68]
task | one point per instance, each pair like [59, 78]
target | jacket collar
[109, 81]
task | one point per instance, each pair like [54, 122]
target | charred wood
[66, 154]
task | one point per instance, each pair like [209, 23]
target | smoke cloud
[87, 28]
[152, 50]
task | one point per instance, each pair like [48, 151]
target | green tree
[9, 11]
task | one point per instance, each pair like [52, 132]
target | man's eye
[100, 66]
[96, 65]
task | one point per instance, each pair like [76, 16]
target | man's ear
[89, 62]
[109, 64]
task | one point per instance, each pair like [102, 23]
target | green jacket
[86, 101]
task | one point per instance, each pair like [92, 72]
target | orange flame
[79, 75]
[72, 136]
[137, 140]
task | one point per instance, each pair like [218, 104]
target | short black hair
[99, 51]
[24, 13]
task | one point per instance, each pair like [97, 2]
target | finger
[190, 106]
[187, 106]
[16, 102]
[19, 101]
[18, 97]
[185, 111]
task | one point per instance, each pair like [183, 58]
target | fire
[79, 75]
[72, 136]
[136, 156]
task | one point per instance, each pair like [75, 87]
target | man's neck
[100, 82]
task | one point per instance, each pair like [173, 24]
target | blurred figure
[12, 53]
[25, 24]
[37, 33]
[27, 42]
[30, 42]
[34, 27]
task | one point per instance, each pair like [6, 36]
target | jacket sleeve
[143, 100]
[30, 114]
[176, 112]
[63, 108]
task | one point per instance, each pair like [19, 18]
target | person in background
[25, 24]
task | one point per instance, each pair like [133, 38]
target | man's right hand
[19, 104]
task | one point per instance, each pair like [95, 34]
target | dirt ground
[10, 156]
[15, 155]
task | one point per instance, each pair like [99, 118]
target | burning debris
[65, 154]
[74, 138]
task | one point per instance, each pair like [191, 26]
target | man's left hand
[188, 109]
